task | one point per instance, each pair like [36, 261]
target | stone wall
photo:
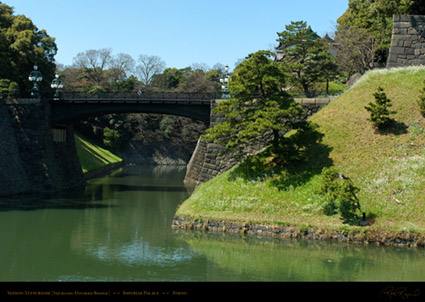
[34, 162]
[363, 235]
[13, 178]
[207, 162]
[408, 41]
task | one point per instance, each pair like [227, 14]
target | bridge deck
[140, 98]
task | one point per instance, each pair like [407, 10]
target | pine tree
[305, 56]
[260, 108]
[379, 112]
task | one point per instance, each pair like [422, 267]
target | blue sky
[181, 32]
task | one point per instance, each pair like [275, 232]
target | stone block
[409, 51]
[412, 31]
[405, 19]
[397, 50]
[404, 24]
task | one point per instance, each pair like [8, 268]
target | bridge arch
[71, 107]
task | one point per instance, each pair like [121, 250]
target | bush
[421, 101]
[379, 113]
[340, 195]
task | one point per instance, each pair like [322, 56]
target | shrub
[421, 101]
[379, 113]
[340, 195]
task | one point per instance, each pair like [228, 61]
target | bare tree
[122, 66]
[148, 67]
[356, 49]
[218, 66]
[200, 66]
[94, 62]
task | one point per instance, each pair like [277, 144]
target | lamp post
[224, 80]
[36, 77]
[57, 84]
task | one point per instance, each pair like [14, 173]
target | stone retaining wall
[361, 235]
[13, 178]
[34, 162]
[207, 162]
[407, 42]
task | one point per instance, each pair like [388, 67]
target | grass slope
[92, 156]
[388, 167]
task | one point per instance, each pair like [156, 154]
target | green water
[117, 228]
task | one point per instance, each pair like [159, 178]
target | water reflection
[268, 259]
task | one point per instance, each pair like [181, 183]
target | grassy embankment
[388, 167]
[92, 156]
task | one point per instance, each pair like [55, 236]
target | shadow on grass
[394, 127]
[265, 166]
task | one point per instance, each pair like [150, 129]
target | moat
[118, 228]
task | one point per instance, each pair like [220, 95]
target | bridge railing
[148, 96]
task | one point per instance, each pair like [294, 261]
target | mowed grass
[388, 167]
[92, 156]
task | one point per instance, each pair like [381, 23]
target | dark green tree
[125, 85]
[260, 108]
[379, 112]
[304, 55]
[22, 45]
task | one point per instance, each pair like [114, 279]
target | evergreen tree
[304, 55]
[379, 112]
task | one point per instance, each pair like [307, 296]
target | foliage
[421, 101]
[305, 56]
[111, 138]
[379, 113]
[8, 89]
[167, 125]
[125, 85]
[340, 195]
[364, 31]
[14, 90]
[22, 45]
[259, 109]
